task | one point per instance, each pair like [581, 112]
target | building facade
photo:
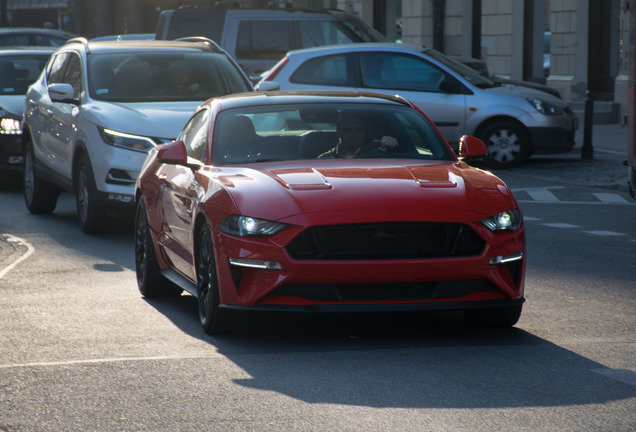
[579, 47]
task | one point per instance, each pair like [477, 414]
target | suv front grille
[378, 241]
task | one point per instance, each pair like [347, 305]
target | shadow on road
[413, 360]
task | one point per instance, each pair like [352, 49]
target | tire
[92, 216]
[508, 144]
[214, 320]
[40, 196]
[149, 279]
[497, 317]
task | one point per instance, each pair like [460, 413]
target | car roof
[36, 30]
[361, 46]
[138, 45]
[27, 50]
[307, 96]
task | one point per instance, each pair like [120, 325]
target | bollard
[587, 151]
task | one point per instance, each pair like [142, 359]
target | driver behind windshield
[354, 138]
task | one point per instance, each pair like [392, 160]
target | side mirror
[472, 148]
[448, 85]
[62, 92]
[174, 153]
[268, 86]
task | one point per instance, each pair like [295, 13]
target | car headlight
[127, 141]
[545, 107]
[506, 221]
[10, 126]
[245, 226]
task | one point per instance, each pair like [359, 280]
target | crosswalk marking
[604, 233]
[543, 195]
[610, 198]
[561, 225]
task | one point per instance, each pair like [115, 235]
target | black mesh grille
[386, 241]
[386, 291]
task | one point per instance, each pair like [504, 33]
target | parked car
[258, 37]
[262, 205]
[33, 36]
[99, 107]
[514, 122]
[19, 67]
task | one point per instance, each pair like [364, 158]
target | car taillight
[274, 71]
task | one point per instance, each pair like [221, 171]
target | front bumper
[450, 283]
[11, 159]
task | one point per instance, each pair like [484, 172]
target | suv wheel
[40, 196]
[91, 215]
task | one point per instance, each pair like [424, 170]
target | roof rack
[201, 39]
[81, 40]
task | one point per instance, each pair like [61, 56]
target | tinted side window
[333, 70]
[7, 40]
[73, 74]
[55, 71]
[400, 72]
[195, 135]
[268, 40]
[183, 23]
[318, 33]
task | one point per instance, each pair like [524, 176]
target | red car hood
[374, 187]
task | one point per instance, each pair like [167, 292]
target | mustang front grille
[377, 241]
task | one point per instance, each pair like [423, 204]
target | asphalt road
[83, 351]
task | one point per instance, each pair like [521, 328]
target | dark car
[19, 67]
[33, 36]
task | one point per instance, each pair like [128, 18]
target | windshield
[18, 72]
[162, 76]
[466, 72]
[324, 131]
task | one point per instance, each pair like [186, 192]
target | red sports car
[326, 201]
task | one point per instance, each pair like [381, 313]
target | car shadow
[414, 360]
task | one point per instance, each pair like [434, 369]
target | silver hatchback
[514, 122]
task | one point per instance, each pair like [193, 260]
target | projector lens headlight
[245, 226]
[505, 221]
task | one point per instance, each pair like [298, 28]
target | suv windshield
[466, 72]
[162, 76]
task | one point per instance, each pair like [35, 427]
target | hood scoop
[436, 179]
[301, 179]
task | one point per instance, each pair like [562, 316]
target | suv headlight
[245, 226]
[545, 107]
[510, 220]
[10, 126]
[127, 141]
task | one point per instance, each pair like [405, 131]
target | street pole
[587, 151]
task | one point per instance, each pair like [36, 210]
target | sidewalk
[605, 169]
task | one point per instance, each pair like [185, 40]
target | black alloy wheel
[40, 197]
[149, 279]
[214, 319]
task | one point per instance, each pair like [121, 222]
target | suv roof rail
[201, 39]
[280, 5]
[81, 40]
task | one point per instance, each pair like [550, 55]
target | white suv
[99, 107]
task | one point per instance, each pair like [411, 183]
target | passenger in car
[354, 138]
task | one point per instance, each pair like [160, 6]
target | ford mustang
[326, 202]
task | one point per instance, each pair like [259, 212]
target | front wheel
[214, 320]
[40, 197]
[507, 142]
[91, 215]
[149, 280]
[496, 317]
